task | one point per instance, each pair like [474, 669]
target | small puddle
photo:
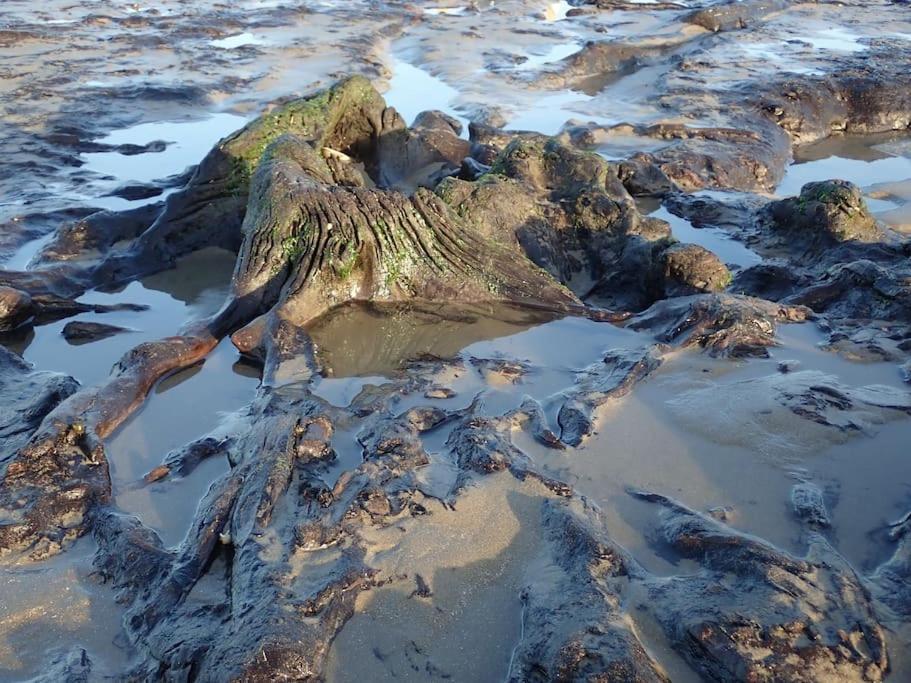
[538, 58]
[184, 406]
[364, 341]
[195, 289]
[187, 142]
[549, 112]
[413, 90]
[23, 256]
[446, 11]
[239, 40]
[718, 241]
[837, 39]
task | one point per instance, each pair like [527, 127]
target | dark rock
[786, 366]
[575, 630]
[773, 281]
[825, 213]
[691, 269]
[614, 377]
[129, 150]
[860, 290]
[597, 64]
[437, 120]
[749, 159]
[136, 191]
[755, 612]
[70, 667]
[680, 157]
[866, 94]
[472, 169]
[723, 324]
[731, 16]
[82, 332]
[530, 415]
[26, 397]
[16, 309]
[642, 176]
[57, 479]
[891, 582]
[565, 210]
[98, 232]
[438, 392]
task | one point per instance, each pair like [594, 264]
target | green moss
[293, 247]
[394, 268]
[348, 265]
[306, 117]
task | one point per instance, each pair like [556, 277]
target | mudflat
[526, 341]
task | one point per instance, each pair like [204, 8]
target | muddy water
[215, 389]
[413, 90]
[185, 143]
[195, 289]
[371, 340]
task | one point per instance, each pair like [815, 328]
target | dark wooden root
[54, 482]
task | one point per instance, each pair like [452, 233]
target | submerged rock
[809, 505]
[82, 332]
